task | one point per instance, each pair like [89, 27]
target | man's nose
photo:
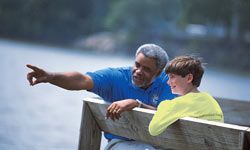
[139, 70]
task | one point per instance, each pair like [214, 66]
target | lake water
[47, 117]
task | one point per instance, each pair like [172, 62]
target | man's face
[144, 71]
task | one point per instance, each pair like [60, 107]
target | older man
[142, 85]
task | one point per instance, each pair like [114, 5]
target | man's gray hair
[155, 52]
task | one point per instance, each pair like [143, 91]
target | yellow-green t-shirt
[198, 105]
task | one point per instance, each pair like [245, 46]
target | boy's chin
[175, 92]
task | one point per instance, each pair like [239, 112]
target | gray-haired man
[142, 85]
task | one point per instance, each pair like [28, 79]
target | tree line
[161, 21]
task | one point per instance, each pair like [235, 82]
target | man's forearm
[70, 81]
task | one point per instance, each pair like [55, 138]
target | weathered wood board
[187, 133]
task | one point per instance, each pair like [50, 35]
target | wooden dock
[235, 111]
[187, 133]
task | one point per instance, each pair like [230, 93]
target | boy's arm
[165, 115]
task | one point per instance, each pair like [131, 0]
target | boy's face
[179, 85]
[144, 71]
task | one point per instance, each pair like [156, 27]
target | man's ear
[159, 72]
[190, 78]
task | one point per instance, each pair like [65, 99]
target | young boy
[185, 73]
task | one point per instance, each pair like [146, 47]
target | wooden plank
[90, 133]
[247, 140]
[235, 111]
[187, 133]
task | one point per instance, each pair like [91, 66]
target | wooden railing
[235, 111]
[186, 133]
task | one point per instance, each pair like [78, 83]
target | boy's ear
[190, 78]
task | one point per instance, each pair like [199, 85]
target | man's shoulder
[114, 74]
[119, 71]
[163, 74]
[161, 80]
[126, 69]
[111, 70]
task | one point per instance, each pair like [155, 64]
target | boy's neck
[192, 89]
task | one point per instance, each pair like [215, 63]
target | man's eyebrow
[145, 67]
[137, 63]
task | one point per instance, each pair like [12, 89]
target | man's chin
[137, 84]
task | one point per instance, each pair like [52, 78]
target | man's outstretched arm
[66, 80]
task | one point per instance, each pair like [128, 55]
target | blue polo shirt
[114, 84]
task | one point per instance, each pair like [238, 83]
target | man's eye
[137, 65]
[147, 70]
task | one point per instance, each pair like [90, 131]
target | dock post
[90, 133]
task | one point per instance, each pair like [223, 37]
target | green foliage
[204, 12]
[141, 21]
[215, 12]
[63, 19]
[135, 14]
[244, 14]
[141, 18]
[43, 19]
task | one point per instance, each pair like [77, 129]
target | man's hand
[116, 108]
[39, 74]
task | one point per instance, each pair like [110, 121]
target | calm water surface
[46, 117]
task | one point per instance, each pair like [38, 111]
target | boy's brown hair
[184, 65]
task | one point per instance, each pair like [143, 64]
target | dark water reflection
[47, 117]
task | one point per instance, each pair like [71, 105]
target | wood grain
[186, 133]
[90, 133]
[235, 111]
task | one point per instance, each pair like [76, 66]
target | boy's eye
[170, 76]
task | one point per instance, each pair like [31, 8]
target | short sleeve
[103, 82]
[107, 82]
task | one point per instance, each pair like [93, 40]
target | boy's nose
[168, 82]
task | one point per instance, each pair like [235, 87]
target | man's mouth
[138, 79]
